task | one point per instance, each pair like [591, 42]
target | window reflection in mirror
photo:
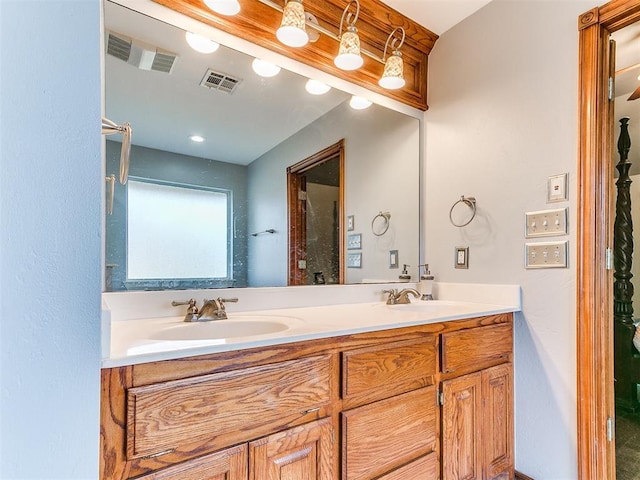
[251, 136]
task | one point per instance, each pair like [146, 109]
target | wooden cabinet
[461, 428]
[300, 453]
[497, 411]
[213, 411]
[477, 411]
[381, 371]
[424, 468]
[386, 434]
[228, 464]
[356, 407]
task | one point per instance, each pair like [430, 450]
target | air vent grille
[119, 47]
[139, 54]
[222, 82]
[163, 62]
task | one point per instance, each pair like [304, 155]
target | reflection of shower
[109, 128]
[322, 233]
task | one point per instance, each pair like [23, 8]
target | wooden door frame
[297, 230]
[595, 401]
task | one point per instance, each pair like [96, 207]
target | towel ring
[469, 202]
[380, 227]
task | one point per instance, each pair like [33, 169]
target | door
[497, 415]
[299, 453]
[594, 281]
[461, 428]
[315, 189]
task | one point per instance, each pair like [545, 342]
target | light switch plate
[546, 254]
[546, 223]
[393, 258]
[354, 260]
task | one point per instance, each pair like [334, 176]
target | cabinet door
[229, 464]
[462, 428]
[299, 453]
[497, 393]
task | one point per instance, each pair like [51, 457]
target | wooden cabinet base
[356, 407]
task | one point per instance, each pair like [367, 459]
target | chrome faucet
[211, 309]
[400, 297]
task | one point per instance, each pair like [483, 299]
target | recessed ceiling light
[197, 138]
[314, 87]
[264, 69]
[201, 44]
[359, 103]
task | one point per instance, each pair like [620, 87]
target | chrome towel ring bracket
[469, 202]
[109, 128]
[380, 223]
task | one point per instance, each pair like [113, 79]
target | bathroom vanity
[420, 395]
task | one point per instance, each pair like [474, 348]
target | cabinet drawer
[217, 410]
[424, 468]
[475, 348]
[383, 371]
[387, 434]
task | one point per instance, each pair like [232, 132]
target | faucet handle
[191, 302]
[393, 294]
[228, 300]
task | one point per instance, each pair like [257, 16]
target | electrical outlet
[546, 254]
[546, 223]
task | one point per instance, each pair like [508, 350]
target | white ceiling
[437, 15]
[166, 109]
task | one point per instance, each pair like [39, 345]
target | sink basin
[219, 329]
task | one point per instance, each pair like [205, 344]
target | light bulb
[264, 69]
[359, 103]
[292, 31]
[201, 44]
[349, 57]
[223, 7]
[314, 87]
[392, 77]
[196, 138]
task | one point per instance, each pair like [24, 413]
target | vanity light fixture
[349, 57]
[292, 31]
[223, 7]
[393, 75]
[201, 44]
[359, 103]
[196, 138]
[264, 68]
[315, 87]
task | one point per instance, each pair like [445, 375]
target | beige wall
[502, 119]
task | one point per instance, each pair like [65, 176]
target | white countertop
[140, 340]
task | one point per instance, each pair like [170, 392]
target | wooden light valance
[258, 22]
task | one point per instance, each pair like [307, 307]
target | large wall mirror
[217, 212]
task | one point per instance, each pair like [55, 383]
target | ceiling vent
[140, 54]
[222, 82]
